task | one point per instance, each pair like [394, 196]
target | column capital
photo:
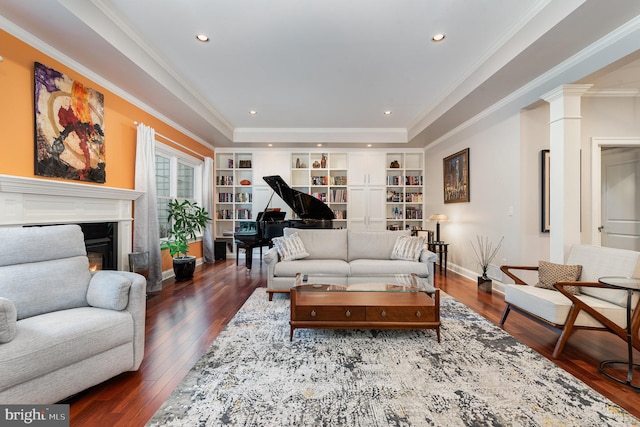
[564, 91]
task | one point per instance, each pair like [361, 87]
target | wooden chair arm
[581, 305]
[506, 270]
[560, 285]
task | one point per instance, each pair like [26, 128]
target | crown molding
[33, 41]
[622, 41]
[612, 93]
[320, 135]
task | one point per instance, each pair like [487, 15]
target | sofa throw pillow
[550, 273]
[290, 247]
[408, 248]
[108, 289]
[8, 319]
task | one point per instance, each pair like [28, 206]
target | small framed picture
[456, 177]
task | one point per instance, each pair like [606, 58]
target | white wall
[495, 182]
[505, 172]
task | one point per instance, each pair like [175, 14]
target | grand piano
[311, 212]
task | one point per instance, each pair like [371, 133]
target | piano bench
[248, 248]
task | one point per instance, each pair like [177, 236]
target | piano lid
[304, 205]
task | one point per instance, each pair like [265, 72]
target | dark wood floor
[186, 317]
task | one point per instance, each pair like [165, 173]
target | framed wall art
[69, 128]
[545, 216]
[456, 177]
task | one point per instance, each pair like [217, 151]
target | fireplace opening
[101, 240]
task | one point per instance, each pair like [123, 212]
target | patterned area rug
[477, 376]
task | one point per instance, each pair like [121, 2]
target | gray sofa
[63, 328]
[344, 256]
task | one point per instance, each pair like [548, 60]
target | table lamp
[438, 218]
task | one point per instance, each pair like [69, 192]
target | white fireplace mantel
[33, 201]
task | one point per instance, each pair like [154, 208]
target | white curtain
[207, 203]
[146, 233]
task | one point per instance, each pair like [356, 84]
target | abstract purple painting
[69, 134]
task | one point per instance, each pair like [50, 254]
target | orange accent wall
[17, 121]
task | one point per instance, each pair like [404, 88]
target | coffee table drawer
[400, 314]
[324, 313]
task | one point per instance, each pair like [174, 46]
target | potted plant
[485, 253]
[186, 219]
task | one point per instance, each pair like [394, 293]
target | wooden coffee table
[374, 306]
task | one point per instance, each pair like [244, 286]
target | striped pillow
[408, 248]
[290, 247]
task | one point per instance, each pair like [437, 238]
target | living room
[505, 142]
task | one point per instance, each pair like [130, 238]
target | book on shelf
[413, 180]
[339, 180]
[243, 213]
[244, 198]
[338, 196]
[224, 214]
[225, 197]
[413, 197]
[224, 180]
[413, 213]
[319, 180]
[319, 195]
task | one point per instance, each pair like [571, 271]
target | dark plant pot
[485, 284]
[184, 267]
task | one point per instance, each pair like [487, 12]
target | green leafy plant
[185, 219]
[485, 253]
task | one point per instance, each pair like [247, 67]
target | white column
[565, 143]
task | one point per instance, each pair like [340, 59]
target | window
[178, 176]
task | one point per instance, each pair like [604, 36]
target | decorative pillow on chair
[408, 248]
[550, 273]
[8, 319]
[290, 248]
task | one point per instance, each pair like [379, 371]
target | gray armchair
[63, 328]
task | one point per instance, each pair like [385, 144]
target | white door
[367, 168]
[377, 208]
[366, 208]
[620, 199]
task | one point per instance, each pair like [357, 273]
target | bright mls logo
[34, 415]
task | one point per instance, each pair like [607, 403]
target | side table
[440, 249]
[630, 285]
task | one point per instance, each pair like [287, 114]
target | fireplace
[105, 213]
[101, 240]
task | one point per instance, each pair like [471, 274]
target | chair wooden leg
[507, 309]
[566, 331]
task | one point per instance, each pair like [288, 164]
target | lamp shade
[438, 217]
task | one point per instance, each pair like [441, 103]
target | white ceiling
[326, 70]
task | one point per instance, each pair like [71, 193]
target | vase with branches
[485, 253]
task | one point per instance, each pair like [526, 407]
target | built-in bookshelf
[405, 190]
[233, 194]
[322, 175]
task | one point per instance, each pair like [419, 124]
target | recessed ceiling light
[319, 145]
[438, 37]
[270, 145]
[387, 113]
[368, 145]
[253, 112]
[202, 37]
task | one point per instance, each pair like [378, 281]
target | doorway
[616, 197]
